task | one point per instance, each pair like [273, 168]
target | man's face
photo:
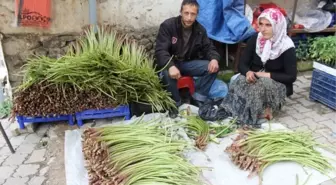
[189, 14]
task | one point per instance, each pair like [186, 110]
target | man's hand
[174, 73]
[263, 74]
[213, 66]
[250, 78]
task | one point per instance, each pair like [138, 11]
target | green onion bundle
[107, 63]
[137, 154]
[256, 150]
[34, 71]
[202, 132]
[199, 130]
[220, 131]
[5, 107]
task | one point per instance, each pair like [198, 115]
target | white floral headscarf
[280, 42]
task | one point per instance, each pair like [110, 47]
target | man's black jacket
[169, 43]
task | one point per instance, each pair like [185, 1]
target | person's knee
[214, 74]
[164, 74]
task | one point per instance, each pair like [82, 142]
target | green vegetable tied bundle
[202, 131]
[198, 129]
[5, 107]
[105, 62]
[256, 150]
[137, 154]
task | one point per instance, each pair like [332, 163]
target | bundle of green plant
[43, 99]
[199, 130]
[221, 131]
[137, 154]
[107, 63]
[323, 50]
[202, 132]
[5, 107]
[256, 150]
[305, 63]
[34, 71]
[302, 51]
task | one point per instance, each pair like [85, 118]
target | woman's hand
[263, 74]
[250, 78]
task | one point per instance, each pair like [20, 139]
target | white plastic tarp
[223, 171]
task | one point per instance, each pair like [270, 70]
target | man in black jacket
[184, 49]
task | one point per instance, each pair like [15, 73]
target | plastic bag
[219, 89]
[330, 6]
[249, 13]
[333, 20]
[211, 111]
[312, 18]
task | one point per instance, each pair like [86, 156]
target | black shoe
[196, 102]
[173, 113]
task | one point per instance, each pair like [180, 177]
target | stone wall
[145, 38]
[19, 47]
[69, 16]
[140, 19]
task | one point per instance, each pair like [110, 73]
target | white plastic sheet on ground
[223, 171]
[75, 171]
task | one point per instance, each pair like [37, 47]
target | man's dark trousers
[194, 68]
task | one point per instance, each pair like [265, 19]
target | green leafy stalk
[256, 150]
[141, 154]
[199, 129]
[107, 63]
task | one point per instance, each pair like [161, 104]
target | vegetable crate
[323, 86]
[103, 113]
[39, 119]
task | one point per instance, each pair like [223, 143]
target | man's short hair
[189, 2]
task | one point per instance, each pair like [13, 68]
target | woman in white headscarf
[267, 71]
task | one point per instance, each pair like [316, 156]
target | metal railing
[10, 146]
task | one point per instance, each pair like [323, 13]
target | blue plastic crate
[323, 88]
[39, 119]
[119, 111]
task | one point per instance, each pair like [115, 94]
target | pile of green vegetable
[137, 154]
[199, 130]
[102, 62]
[322, 49]
[5, 108]
[304, 61]
[256, 150]
[203, 132]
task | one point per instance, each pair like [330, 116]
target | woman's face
[265, 27]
